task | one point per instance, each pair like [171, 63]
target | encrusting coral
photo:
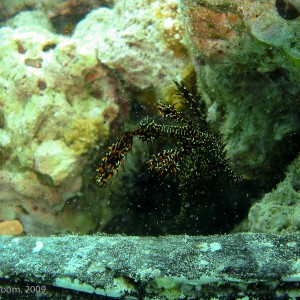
[83, 134]
[171, 27]
[199, 159]
[11, 227]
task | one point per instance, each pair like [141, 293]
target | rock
[244, 266]
[279, 210]
[62, 96]
[43, 93]
[247, 59]
[138, 40]
[53, 158]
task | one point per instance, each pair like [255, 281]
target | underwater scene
[150, 149]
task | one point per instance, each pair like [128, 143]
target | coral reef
[170, 24]
[58, 10]
[67, 14]
[254, 105]
[49, 118]
[247, 58]
[247, 64]
[72, 72]
[84, 134]
[63, 96]
[54, 159]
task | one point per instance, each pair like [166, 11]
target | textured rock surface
[54, 159]
[233, 266]
[50, 118]
[51, 8]
[61, 96]
[248, 66]
[143, 42]
[279, 210]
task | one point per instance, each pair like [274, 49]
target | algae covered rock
[279, 210]
[231, 266]
[246, 55]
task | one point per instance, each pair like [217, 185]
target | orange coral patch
[11, 227]
[212, 30]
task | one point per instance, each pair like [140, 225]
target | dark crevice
[287, 10]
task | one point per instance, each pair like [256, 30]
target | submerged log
[169, 267]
